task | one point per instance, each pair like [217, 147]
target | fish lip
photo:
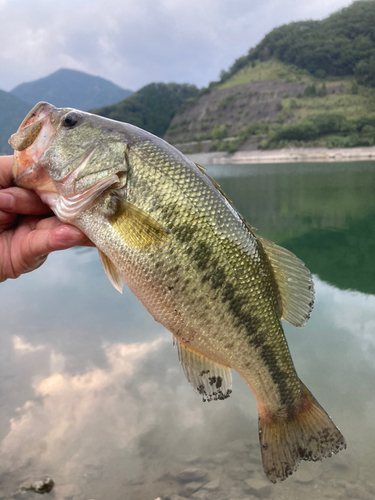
[38, 112]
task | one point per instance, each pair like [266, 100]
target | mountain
[305, 84]
[152, 107]
[343, 44]
[12, 111]
[71, 88]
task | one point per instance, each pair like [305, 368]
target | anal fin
[209, 379]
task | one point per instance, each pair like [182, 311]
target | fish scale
[166, 229]
[242, 310]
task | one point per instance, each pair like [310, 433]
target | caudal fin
[308, 435]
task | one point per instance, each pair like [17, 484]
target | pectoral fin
[294, 282]
[209, 379]
[111, 271]
[136, 227]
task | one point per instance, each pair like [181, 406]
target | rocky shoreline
[290, 155]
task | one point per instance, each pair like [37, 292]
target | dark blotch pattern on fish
[278, 377]
[238, 305]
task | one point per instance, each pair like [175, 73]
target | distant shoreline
[290, 155]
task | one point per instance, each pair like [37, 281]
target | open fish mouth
[32, 138]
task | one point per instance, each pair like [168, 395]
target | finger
[63, 231]
[68, 236]
[30, 223]
[22, 201]
[37, 244]
[6, 179]
[6, 220]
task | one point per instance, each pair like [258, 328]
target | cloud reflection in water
[104, 408]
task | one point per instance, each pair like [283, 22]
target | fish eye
[70, 120]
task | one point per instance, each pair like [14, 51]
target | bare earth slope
[235, 107]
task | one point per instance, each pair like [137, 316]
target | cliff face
[235, 107]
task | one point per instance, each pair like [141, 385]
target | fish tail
[309, 434]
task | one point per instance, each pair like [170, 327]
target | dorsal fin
[294, 282]
[217, 186]
[209, 379]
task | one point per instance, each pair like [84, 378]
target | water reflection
[92, 392]
[324, 213]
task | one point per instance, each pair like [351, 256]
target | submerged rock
[192, 474]
[258, 487]
[192, 487]
[212, 485]
[41, 486]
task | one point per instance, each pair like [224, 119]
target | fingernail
[6, 201]
[67, 234]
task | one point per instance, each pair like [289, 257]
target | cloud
[126, 421]
[68, 407]
[354, 315]
[135, 43]
[21, 347]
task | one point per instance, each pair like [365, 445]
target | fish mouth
[32, 138]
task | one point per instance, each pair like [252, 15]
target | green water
[92, 392]
[325, 213]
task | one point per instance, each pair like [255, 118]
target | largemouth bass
[166, 229]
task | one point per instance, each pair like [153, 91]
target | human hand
[28, 229]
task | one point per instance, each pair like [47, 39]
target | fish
[165, 228]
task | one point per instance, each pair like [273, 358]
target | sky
[133, 43]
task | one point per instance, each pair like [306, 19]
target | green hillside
[343, 44]
[152, 107]
[305, 84]
[272, 69]
[12, 111]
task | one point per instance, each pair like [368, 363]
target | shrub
[320, 73]
[354, 88]
[322, 92]
[368, 131]
[310, 91]
[219, 132]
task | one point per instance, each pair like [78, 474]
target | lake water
[92, 393]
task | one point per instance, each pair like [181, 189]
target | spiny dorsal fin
[111, 271]
[294, 282]
[136, 227]
[209, 379]
[216, 185]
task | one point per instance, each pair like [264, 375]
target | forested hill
[306, 83]
[152, 107]
[342, 44]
